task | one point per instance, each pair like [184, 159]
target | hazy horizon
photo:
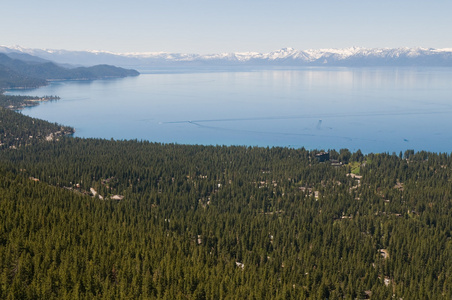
[206, 27]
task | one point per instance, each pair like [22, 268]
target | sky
[215, 26]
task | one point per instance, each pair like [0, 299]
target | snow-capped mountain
[353, 56]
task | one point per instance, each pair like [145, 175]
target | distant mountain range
[22, 70]
[349, 57]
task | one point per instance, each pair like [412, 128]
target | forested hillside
[11, 79]
[34, 72]
[99, 219]
[18, 130]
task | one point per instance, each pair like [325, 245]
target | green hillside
[101, 219]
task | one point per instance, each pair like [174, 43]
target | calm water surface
[375, 110]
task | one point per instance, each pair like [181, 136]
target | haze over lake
[372, 109]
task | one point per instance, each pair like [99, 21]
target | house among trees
[322, 156]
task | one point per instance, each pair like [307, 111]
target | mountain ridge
[351, 57]
[22, 70]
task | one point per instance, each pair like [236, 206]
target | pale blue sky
[213, 26]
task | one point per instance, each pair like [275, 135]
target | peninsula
[29, 71]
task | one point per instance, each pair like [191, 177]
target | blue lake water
[372, 109]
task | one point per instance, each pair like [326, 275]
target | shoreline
[19, 102]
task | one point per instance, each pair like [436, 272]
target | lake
[372, 109]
